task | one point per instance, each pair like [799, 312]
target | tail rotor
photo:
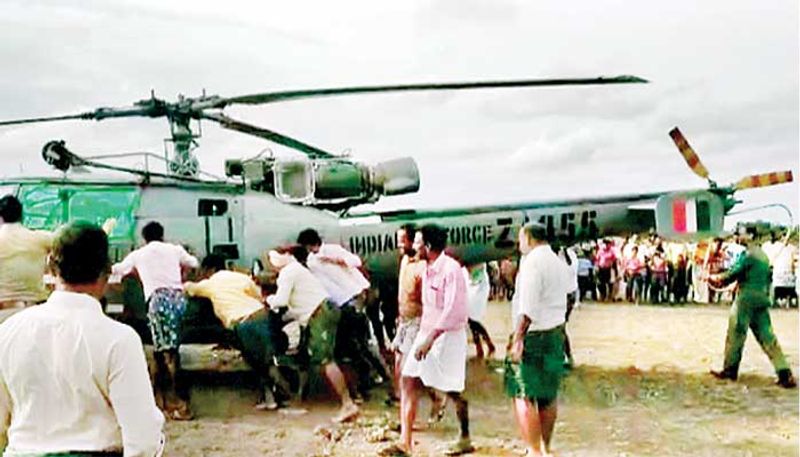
[748, 182]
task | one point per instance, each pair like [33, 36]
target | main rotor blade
[275, 137]
[764, 180]
[149, 108]
[32, 120]
[691, 158]
[271, 97]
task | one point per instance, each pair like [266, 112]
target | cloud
[561, 151]
[477, 13]
[735, 97]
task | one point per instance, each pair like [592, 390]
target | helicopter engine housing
[341, 181]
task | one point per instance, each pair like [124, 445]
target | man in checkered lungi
[159, 266]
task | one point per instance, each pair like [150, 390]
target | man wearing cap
[751, 309]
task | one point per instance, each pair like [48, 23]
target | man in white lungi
[478, 299]
[439, 352]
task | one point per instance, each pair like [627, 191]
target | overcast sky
[725, 72]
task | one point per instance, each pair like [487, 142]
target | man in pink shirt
[606, 261]
[439, 353]
[633, 276]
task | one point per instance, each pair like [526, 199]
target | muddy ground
[640, 388]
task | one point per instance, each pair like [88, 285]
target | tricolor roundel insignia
[689, 215]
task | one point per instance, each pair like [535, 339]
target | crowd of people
[84, 387]
[646, 269]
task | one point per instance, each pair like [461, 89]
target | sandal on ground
[293, 411]
[266, 406]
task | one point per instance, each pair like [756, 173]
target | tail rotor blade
[691, 157]
[764, 180]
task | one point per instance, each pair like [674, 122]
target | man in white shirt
[338, 270]
[782, 256]
[335, 267]
[536, 349]
[83, 387]
[307, 302]
[159, 265]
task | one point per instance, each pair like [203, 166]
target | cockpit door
[221, 230]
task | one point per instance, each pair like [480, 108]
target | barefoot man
[535, 362]
[438, 355]
[306, 298]
[409, 299]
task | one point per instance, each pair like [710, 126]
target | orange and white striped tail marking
[764, 180]
[692, 159]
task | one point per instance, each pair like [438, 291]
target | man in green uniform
[751, 309]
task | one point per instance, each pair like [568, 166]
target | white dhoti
[478, 288]
[478, 299]
[445, 366]
[405, 335]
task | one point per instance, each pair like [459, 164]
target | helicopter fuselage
[243, 224]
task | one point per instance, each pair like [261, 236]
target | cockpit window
[47, 206]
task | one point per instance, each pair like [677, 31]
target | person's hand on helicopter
[109, 224]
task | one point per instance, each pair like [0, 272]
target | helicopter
[264, 202]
